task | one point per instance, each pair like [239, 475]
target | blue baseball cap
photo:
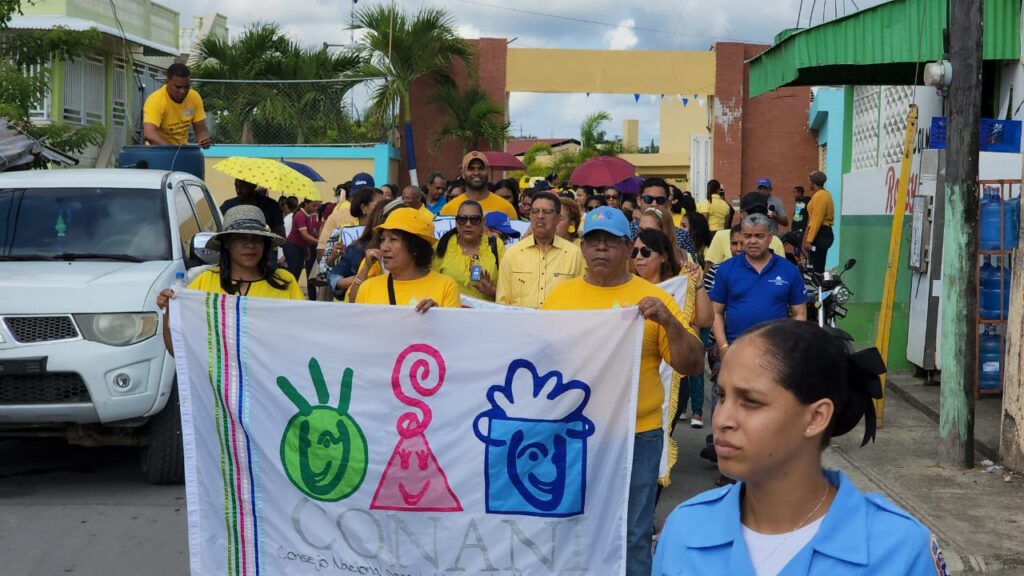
[499, 221]
[764, 183]
[606, 219]
[362, 180]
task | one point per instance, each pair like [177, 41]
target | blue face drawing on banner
[535, 434]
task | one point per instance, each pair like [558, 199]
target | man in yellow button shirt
[170, 111]
[532, 267]
[668, 336]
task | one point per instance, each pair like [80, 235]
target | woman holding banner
[406, 253]
[464, 256]
[244, 269]
[786, 388]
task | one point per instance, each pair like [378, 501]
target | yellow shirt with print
[172, 119]
[492, 203]
[457, 265]
[528, 275]
[439, 287]
[579, 295]
[719, 251]
[209, 281]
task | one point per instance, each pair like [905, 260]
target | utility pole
[960, 246]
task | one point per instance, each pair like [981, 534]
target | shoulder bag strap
[493, 242]
[391, 290]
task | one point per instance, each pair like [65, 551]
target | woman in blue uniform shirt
[784, 390]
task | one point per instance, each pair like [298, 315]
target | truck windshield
[84, 224]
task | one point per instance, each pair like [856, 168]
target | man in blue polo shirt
[756, 287]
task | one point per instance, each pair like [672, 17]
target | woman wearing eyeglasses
[463, 255]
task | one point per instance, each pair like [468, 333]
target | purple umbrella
[631, 185]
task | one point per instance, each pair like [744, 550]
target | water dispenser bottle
[991, 219]
[1011, 223]
[990, 357]
[990, 300]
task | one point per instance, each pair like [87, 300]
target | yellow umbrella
[270, 174]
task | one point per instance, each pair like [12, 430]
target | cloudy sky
[590, 24]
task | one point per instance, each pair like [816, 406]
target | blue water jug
[1011, 223]
[990, 360]
[990, 299]
[1006, 276]
[991, 219]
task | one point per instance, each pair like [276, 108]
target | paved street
[111, 523]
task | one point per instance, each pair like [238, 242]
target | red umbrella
[503, 161]
[602, 171]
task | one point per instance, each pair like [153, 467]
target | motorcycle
[827, 294]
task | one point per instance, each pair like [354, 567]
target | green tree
[25, 58]
[400, 48]
[474, 118]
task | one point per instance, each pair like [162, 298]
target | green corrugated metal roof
[878, 45]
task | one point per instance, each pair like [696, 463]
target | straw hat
[244, 219]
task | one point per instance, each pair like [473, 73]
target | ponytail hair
[815, 363]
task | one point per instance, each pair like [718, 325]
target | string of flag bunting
[686, 100]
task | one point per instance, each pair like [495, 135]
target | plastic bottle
[177, 286]
[990, 298]
[1006, 276]
[991, 220]
[990, 358]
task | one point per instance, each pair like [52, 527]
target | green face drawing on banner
[323, 450]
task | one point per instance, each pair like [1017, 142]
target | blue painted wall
[826, 118]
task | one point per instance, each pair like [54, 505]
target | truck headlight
[123, 329]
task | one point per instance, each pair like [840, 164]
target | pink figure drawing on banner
[413, 480]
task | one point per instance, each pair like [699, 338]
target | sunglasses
[474, 220]
[611, 196]
[659, 200]
[643, 251]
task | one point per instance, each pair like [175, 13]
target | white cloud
[467, 31]
[623, 37]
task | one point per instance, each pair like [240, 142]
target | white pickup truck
[83, 255]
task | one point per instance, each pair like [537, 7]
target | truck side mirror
[199, 254]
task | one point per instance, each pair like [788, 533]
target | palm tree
[400, 48]
[592, 132]
[254, 55]
[474, 118]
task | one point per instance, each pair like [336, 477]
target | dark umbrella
[630, 186]
[304, 169]
[602, 171]
[503, 161]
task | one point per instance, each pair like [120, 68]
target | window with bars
[40, 110]
[85, 90]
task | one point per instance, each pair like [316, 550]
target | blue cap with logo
[362, 180]
[764, 183]
[606, 219]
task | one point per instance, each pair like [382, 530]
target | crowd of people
[589, 248]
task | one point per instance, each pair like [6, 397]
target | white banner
[442, 224]
[459, 441]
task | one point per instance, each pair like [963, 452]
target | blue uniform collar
[843, 534]
[767, 267]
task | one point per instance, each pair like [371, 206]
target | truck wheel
[163, 461]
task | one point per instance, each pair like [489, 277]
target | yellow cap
[412, 221]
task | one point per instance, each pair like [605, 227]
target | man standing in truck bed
[170, 111]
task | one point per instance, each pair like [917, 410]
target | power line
[600, 23]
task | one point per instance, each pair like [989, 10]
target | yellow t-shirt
[718, 211]
[209, 281]
[439, 287]
[492, 203]
[456, 265]
[577, 294]
[173, 119]
[719, 251]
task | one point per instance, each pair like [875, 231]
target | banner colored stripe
[232, 510]
[237, 509]
[213, 351]
[240, 365]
